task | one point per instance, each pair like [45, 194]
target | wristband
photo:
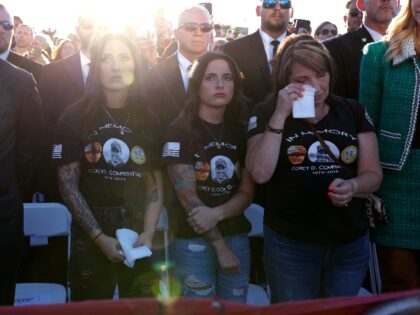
[99, 234]
[278, 131]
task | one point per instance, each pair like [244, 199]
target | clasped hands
[341, 192]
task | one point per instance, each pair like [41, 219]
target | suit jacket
[390, 92]
[26, 64]
[347, 51]
[20, 134]
[249, 53]
[61, 85]
[164, 90]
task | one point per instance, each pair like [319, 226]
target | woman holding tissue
[205, 150]
[109, 174]
[316, 240]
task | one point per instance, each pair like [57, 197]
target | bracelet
[271, 129]
[99, 234]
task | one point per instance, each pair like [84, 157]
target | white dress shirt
[184, 64]
[85, 62]
[267, 39]
[375, 35]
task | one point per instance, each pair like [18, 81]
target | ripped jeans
[92, 275]
[199, 274]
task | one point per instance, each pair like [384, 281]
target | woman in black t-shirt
[108, 171]
[315, 225]
[204, 150]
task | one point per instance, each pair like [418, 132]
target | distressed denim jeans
[298, 270]
[199, 274]
[92, 275]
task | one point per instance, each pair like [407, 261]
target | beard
[278, 27]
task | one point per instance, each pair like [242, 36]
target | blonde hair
[402, 27]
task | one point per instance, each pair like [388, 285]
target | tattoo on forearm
[152, 197]
[191, 204]
[214, 234]
[68, 178]
[182, 176]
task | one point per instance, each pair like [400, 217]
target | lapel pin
[364, 39]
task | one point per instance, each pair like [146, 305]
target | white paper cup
[304, 107]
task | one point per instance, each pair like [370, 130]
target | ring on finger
[287, 89]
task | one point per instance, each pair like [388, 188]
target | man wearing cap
[254, 53]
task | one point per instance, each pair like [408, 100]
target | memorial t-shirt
[217, 154]
[114, 152]
[297, 205]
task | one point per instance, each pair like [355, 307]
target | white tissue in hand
[127, 238]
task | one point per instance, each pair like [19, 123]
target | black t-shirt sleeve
[361, 117]
[67, 142]
[154, 132]
[259, 119]
[177, 146]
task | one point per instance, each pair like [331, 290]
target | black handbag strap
[327, 148]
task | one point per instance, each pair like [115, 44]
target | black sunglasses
[7, 26]
[192, 27]
[270, 4]
[355, 12]
[326, 31]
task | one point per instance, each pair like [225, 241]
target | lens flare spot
[128, 78]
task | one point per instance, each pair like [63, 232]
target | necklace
[115, 123]
[218, 142]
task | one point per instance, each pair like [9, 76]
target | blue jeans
[299, 270]
[198, 272]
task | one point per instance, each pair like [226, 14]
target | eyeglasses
[7, 26]
[325, 31]
[355, 12]
[270, 4]
[192, 27]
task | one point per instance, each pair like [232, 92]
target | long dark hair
[236, 110]
[94, 97]
[308, 52]
[236, 113]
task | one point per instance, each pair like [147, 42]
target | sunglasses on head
[270, 4]
[192, 27]
[355, 12]
[326, 31]
[7, 26]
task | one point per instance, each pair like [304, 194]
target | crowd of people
[118, 126]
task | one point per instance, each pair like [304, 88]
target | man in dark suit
[166, 83]
[6, 35]
[20, 134]
[254, 53]
[62, 84]
[346, 49]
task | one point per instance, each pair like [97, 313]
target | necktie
[189, 68]
[275, 44]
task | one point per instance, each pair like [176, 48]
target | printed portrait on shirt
[222, 169]
[116, 152]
